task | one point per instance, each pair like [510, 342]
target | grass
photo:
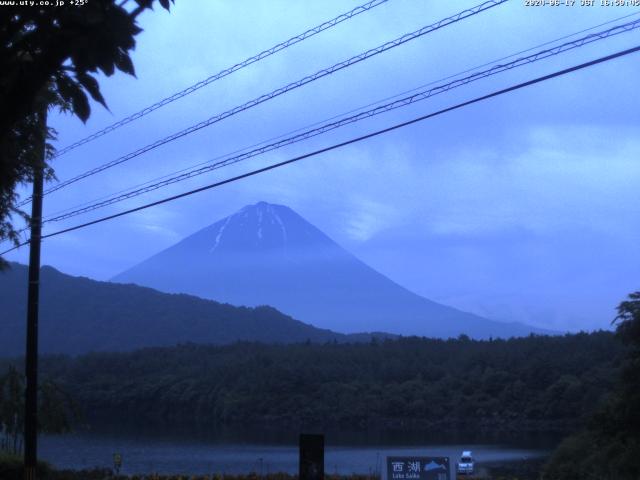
[11, 468]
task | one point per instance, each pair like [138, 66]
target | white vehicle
[466, 464]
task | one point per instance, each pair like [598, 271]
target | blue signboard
[418, 468]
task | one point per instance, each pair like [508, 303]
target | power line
[403, 102]
[176, 176]
[540, 45]
[345, 143]
[282, 90]
[223, 73]
[334, 117]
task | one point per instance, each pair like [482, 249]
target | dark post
[31, 368]
[311, 457]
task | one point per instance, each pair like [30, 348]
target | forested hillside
[79, 315]
[533, 382]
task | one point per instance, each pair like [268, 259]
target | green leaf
[90, 84]
[65, 86]
[124, 63]
[80, 104]
[71, 91]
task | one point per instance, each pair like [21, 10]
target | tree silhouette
[55, 410]
[628, 320]
[609, 447]
[53, 53]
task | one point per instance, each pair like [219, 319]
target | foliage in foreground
[609, 447]
[56, 411]
[14, 472]
[11, 469]
[51, 56]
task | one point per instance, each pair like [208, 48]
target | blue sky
[521, 208]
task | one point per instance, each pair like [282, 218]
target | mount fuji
[267, 254]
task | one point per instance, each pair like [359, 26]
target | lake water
[265, 451]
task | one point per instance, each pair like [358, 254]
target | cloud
[482, 197]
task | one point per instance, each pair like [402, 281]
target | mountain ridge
[268, 254]
[80, 315]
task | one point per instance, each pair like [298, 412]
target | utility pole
[31, 357]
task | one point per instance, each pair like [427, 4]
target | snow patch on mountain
[219, 235]
[267, 254]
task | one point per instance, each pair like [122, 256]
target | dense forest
[536, 382]
[608, 446]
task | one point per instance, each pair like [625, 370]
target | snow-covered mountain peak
[267, 254]
[258, 228]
